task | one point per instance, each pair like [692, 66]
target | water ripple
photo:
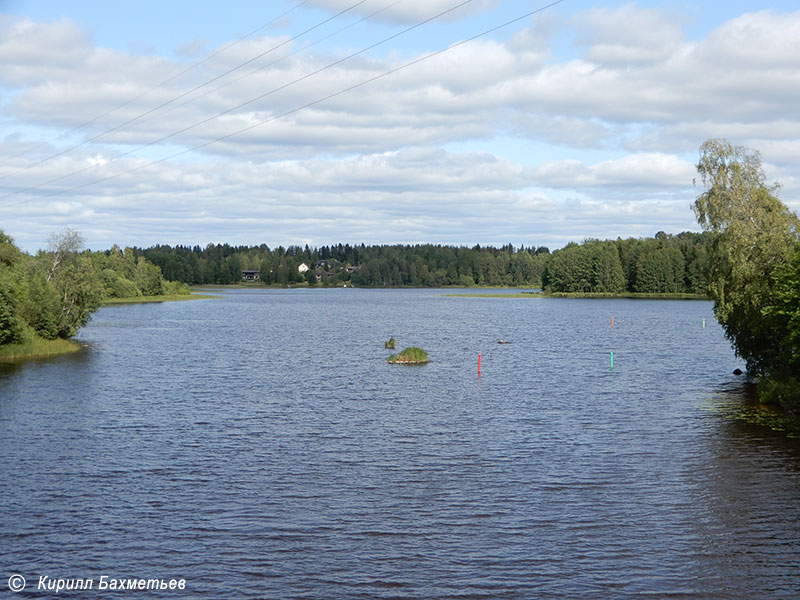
[259, 446]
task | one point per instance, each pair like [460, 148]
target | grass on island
[409, 356]
[37, 348]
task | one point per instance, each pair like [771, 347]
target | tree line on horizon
[747, 260]
[665, 263]
[53, 293]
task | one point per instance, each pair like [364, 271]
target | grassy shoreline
[162, 298]
[305, 285]
[590, 295]
[37, 348]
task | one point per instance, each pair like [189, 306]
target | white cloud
[634, 172]
[54, 48]
[410, 11]
[472, 91]
[627, 35]
[763, 39]
[612, 132]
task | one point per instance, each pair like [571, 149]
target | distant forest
[664, 263]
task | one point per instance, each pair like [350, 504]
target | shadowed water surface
[259, 446]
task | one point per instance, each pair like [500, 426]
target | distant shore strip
[606, 295]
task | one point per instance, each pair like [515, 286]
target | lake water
[259, 446]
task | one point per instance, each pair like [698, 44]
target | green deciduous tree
[42, 308]
[660, 270]
[784, 311]
[80, 293]
[783, 317]
[757, 234]
[607, 268]
[570, 270]
[593, 266]
[148, 278]
[12, 324]
[77, 285]
[63, 246]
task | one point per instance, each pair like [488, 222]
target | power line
[243, 104]
[294, 110]
[178, 97]
[266, 66]
[193, 66]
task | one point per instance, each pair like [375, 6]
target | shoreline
[304, 285]
[36, 349]
[162, 298]
[39, 348]
[586, 295]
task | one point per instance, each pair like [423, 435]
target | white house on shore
[302, 268]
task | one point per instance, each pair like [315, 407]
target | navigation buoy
[612, 361]
[479, 363]
[612, 322]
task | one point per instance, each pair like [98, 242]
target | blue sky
[581, 121]
[160, 27]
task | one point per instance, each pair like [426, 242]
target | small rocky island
[410, 356]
